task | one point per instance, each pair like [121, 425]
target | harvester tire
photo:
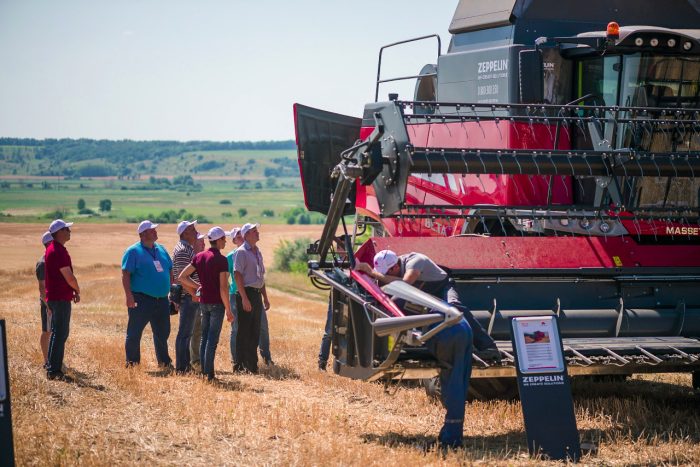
[480, 389]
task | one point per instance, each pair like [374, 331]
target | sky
[222, 70]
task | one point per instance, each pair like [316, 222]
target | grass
[26, 203]
[289, 414]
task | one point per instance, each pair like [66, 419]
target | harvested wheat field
[290, 413]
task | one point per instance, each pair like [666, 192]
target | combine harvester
[549, 160]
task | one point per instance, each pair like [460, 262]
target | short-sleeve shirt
[56, 258]
[183, 254]
[231, 258]
[429, 271]
[209, 265]
[40, 269]
[149, 269]
[250, 264]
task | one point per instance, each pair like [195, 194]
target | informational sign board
[545, 391]
[7, 454]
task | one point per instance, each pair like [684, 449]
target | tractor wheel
[480, 389]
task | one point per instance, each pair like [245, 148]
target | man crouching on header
[452, 346]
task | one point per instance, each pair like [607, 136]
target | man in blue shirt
[146, 277]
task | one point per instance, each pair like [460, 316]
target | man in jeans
[196, 339]
[46, 239]
[183, 254]
[61, 288]
[264, 342]
[146, 278]
[251, 298]
[212, 268]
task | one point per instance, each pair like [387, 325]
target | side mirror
[531, 80]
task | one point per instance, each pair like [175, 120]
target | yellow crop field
[289, 414]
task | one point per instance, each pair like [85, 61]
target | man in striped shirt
[183, 253]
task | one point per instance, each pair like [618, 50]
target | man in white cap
[183, 254]
[212, 268]
[237, 240]
[453, 346]
[251, 298]
[264, 342]
[46, 239]
[146, 278]
[422, 272]
[61, 288]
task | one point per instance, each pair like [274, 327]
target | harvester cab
[549, 161]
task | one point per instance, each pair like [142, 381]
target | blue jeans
[325, 351]
[155, 311]
[188, 314]
[60, 327]
[264, 342]
[452, 347]
[212, 320]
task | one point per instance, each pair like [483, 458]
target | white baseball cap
[146, 225]
[235, 232]
[247, 228]
[183, 225]
[46, 238]
[58, 224]
[216, 233]
[385, 260]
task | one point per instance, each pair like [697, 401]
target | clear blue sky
[199, 69]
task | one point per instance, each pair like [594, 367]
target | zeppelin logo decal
[683, 231]
[493, 65]
[549, 380]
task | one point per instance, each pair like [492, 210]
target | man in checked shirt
[183, 253]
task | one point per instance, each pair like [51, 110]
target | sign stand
[545, 391]
[7, 455]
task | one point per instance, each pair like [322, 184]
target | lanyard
[153, 253]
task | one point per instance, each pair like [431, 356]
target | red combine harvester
[548, 160]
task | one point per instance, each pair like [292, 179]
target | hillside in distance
[132, 159]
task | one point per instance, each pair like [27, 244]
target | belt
[258, 290]
[150, 296]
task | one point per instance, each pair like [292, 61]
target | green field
[239, 179]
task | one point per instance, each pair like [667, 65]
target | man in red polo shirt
[212, 269]
[61, 288]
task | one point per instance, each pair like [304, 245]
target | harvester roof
[571, 17]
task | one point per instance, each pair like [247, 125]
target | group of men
[200, 284]
[214, 287]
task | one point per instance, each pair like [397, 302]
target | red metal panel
[477, 252]
[369, 285]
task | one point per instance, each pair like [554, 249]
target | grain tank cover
[473, 15]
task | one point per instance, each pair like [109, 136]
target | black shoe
[56, 375]
[268, 361]
[322, 366]
[166, 366]
[132, 364]
[489, 355]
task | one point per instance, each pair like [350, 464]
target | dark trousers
[325, 351]
[155, 311]
[248, 331]
[188, 314]
[60, 327]
[452, 347]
